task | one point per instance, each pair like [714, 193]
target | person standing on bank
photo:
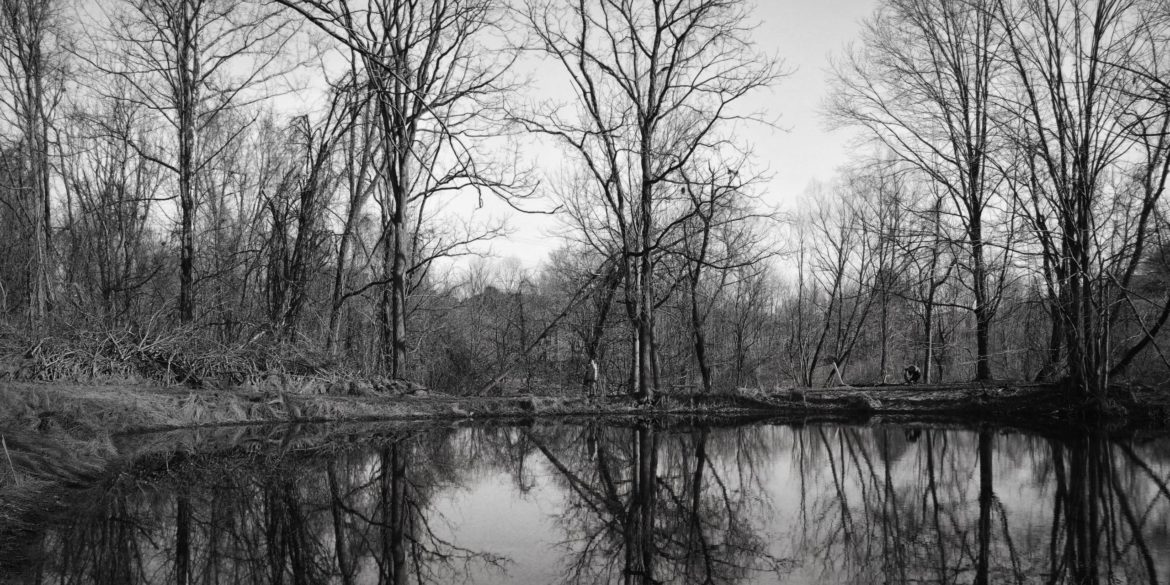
[591, 378]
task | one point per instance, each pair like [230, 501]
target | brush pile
[156, 355]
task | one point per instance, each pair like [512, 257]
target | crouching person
[911, 374]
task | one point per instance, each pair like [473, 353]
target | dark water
[640, 503]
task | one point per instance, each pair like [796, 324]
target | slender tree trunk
[339, 283]
[1056, 336]
[386, 292]
[593, 344]
[340, 537]
[700, 341]
[394, 515]
[695, 538]
[645, 387]
[25, 27]
[885, 336]
[357, 197]
[983, 310]
[986, 499]
[182, 539]
[640, 547]
[398, 284]
[645, 390]
[186, 166]
[301, 255]
[928, 335]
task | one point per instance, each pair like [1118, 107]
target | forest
[199, 190]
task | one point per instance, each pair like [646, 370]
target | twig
[15, 476]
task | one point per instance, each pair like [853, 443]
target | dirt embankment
[89, 413]
[62, 433]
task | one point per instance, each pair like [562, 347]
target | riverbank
[90, 411]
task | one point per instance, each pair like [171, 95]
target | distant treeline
[284, 183]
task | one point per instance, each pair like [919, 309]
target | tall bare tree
[1073, 65]
[31, 51]
[433, 76]
[190, 62]
[921, 84]
[655, 85]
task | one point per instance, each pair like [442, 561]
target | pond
[633, 502]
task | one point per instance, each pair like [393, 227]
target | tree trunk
[182, 539]
[339, 283]
[186, 105]
[700, 342]
[639, 545]
[928, 334]
[986, 499]
[593, 344]
[25, 27]
[885, 335]
[385, 299]
[983, 310]
[394, 523]
[398, 284]
[645, 389]
[337, 508]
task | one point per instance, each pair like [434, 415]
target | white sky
[804, 34]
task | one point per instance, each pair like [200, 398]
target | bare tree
[432, 77]
[924, 248]
[718, 237]
[1073, 68]
[836, 280]
[921, 84]
[110, 201]
[296, 207]
[190, 62]
[31, 54]
[655, 85]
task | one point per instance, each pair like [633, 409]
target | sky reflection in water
[643, 503]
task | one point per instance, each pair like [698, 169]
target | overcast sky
[805, 34]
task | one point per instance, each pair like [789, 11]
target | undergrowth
[156, 354]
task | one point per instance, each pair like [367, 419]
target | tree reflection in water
[644, 507]
[930, 506]
[356, 516]
[640, 503]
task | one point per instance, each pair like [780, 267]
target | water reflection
[649, 507]
[640, 503]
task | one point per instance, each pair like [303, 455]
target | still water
[637, 503]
